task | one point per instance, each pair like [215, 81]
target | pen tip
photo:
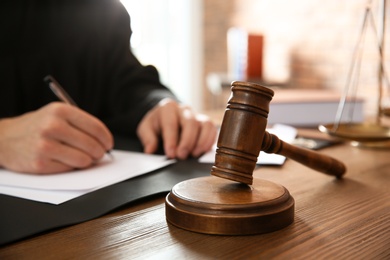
[47, 79]
[110, 154]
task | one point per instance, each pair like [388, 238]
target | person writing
[84, 44]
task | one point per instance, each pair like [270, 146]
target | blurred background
[199, 45]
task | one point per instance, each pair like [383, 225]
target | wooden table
[334, 219]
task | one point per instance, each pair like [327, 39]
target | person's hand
[183, 132]
[56, 138]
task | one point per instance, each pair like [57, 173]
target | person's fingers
[54, 138]
[183, 132]
[168, 120]
[48, 167]
[89, 125]
[148, 134]
[206, 139]
[162, 121]
[190, 129]
[63, 132]
[53, 156]
[79, 139]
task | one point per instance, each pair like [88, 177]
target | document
[284, 132]
[61, 187]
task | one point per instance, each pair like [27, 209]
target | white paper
[284, 132]
[58, 188]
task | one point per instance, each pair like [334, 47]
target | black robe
[85, 45]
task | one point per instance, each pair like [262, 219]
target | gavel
[236, 203]
[239, 144]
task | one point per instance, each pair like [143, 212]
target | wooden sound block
[215, 205]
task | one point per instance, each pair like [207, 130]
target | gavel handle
[323, 163]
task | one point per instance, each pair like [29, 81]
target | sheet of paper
[284, 132]
[58, 188]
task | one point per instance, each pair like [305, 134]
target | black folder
[21, 218]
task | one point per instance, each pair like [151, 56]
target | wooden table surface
[334, 219]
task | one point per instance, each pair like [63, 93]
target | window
[167, 34]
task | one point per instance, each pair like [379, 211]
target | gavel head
[242, 132]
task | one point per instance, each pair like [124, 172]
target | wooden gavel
[214, 205]
[243, 135]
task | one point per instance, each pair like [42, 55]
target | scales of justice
[231, 201]
[366, 134]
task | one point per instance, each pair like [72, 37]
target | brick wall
[308, 43]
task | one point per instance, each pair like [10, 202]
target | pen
[61, 94]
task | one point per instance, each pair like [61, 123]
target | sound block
[213, 205]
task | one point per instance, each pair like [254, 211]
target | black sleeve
[85, 45]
